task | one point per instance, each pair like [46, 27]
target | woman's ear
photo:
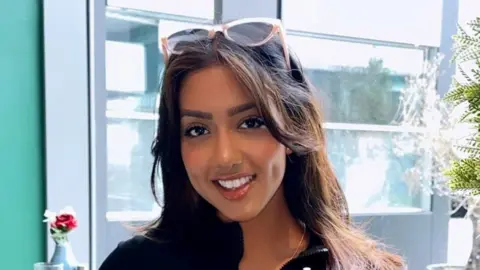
[289, 151]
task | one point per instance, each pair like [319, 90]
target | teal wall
[22, 180]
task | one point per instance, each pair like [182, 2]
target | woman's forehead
[214, 86]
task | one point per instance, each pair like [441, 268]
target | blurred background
[79, 87]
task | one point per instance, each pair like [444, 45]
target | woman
[246, 179]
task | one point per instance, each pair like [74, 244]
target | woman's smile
[235, 187]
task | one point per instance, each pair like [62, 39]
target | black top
[224, 252]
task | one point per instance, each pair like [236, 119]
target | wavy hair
[286, 100]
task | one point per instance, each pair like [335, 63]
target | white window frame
[67, 129]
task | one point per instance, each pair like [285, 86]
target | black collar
[226, 242]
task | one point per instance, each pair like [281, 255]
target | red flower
[65, 222]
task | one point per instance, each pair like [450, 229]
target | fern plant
[464, 173]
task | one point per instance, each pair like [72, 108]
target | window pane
[357, 83]
[197, 8]
[406, 21]
[133, 66]
[371, 174]
[359, 87]
[129, 164]
[468, 10]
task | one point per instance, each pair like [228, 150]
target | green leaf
[464, 174]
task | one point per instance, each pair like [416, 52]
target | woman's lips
[235, 188]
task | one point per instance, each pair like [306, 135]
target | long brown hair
[287, 102]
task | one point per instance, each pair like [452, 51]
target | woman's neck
[274, 236]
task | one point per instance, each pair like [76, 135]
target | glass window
[468, 10]
[359, 86]
[351, 77]
[371, 174]
[197, 8]
[400, 21]
[133, 66]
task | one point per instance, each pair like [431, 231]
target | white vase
[64, 254]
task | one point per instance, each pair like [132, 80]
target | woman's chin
[236, 217]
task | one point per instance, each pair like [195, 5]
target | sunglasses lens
[178, 41]
[249, 34]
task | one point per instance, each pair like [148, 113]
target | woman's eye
[196, 131]
[254, 122]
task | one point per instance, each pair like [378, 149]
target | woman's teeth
[235, 183]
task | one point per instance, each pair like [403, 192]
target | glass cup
[48, 266]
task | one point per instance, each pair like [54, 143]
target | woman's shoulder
[143, 253]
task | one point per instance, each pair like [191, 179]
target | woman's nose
[227, 153]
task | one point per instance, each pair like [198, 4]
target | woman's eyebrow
[241, 108]
[196, 114]
[206, 115]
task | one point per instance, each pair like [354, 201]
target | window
[133, 66]
[358, 81]
[468, 11]
[396, 21]
[202, 9]
[359, 85]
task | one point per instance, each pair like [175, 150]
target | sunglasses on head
[250, 32]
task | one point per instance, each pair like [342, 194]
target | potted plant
[464, 173]
[447, 133]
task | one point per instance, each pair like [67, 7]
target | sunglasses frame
[277, 28]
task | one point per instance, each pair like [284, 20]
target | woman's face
[231, 158]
